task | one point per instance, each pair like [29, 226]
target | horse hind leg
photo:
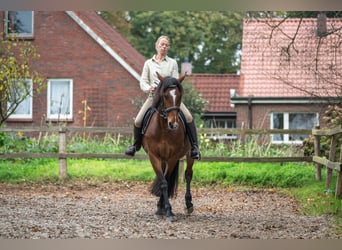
[188, 197]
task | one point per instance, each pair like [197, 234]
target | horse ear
[180, 79]
[160, 77]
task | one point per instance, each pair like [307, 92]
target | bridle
[164, 111]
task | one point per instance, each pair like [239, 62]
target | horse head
[168, 98]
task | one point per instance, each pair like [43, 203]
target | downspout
[250, 113]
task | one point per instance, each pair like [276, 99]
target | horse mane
[169, 82]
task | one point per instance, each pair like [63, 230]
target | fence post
[317, 145]
[338, 191]
[62, 150]
[332, 152]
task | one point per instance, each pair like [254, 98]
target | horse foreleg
[164, 192]
[161, 206]
[188, 197]
[160, 187]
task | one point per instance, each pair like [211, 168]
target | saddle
[147, 118]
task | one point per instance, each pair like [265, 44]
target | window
[292, 121]
[221, 123]
[59, 99]
[19, 23]
[20, 100]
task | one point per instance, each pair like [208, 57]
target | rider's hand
[153, 88]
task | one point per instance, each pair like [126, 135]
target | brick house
[83, 59]
[286, 83]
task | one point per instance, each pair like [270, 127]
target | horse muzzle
[173, 125]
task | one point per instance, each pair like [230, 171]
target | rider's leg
[137, 142]
[192, 132]
[137, 128]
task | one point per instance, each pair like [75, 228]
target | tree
[119, 21]
[194, 101]
[15, 61]
[211, 40]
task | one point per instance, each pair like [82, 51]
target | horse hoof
[160, 212]
[159, 216]
[171, 218]
[189, 210]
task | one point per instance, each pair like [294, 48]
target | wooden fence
[63, 155]
[333, 135]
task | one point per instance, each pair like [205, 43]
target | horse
[165, 142]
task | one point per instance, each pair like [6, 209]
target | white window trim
[59, 117]
[286, 139]
[19, 35]
[25, 116]
[221, 136]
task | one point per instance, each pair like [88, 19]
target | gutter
[283, 100]
[103, 44]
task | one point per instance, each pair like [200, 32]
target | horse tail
[172, 183]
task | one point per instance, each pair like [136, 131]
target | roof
[276, 65]
[111, 40]
[215, 88]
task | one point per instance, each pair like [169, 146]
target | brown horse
[165, 142]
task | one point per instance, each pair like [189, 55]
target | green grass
[111, 170]
[19, 171]
[38, 170]
[315, 199]
[254, 174]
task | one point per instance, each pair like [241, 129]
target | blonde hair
[162, 37]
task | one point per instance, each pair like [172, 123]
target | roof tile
[215, 88]
[265, 66]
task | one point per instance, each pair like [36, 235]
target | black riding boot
[137, 142]
[192, 134]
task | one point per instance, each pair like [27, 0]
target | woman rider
[165, 66]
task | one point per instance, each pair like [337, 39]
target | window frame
[212, 124]
[59, 117]
[30, 96]
[16, 34]
[286, 137]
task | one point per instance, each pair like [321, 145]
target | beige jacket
[168, 67]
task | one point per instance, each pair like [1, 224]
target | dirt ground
[126, 210]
